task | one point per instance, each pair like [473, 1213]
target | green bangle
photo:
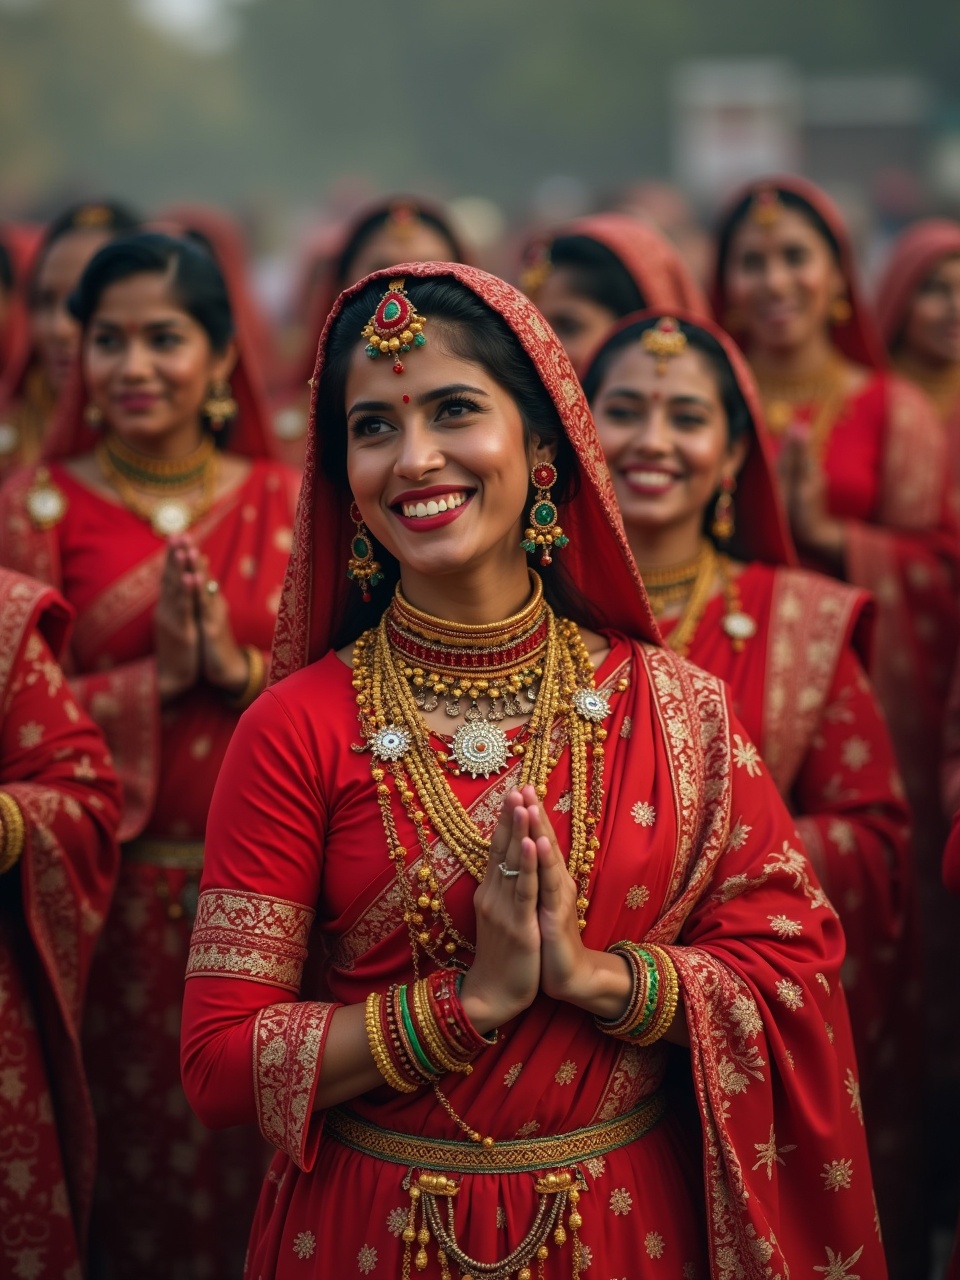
[424, 1061]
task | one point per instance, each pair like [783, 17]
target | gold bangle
[669, 1000]
[254, 686]
[379, 1047]
[13, 832]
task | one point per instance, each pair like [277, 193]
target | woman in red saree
[758, 1162]
[679, 419]
[401, 229]
[171, 641]
[918, 306]
[59, 806]
[38, 369]
[597, 270]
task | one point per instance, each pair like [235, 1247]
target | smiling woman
[467, 904]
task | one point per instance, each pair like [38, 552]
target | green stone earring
[544, 532]
[361, 567]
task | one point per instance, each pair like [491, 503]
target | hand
[223, 662]
[804, 488]
[505, 975]
[175, 626]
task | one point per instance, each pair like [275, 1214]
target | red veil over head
[598, 558]
[763, 532]
[914, 254]
[652, 262]
[857, 338]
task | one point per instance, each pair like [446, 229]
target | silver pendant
[480, 749]
[392, 742]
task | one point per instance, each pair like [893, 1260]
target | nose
[418, 452]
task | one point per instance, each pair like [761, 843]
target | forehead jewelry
[664, 341]
[394, 327]
[766, 207]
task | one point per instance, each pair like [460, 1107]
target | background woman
[172, 550]
[678, 417]
[918, 306]
[379, 829]
[59, 806]
[599, 269]
[37, 373]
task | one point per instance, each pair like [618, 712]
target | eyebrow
[630, 394]
[380, 406]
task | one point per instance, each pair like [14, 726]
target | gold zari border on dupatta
[525, 1155]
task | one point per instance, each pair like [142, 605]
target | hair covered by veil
[598, 559]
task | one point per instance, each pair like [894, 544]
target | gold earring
[544, 532]
[220, 406]
[840, 311]
[724, 523]
[361, 567]
[92, 416]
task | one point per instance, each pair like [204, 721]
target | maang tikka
[544, 532]
[361, 567]
[395, 327]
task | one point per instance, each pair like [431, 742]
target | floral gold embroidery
[621, 1201]
[249, 936]
[637, 896]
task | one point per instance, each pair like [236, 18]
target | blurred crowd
[151, 567]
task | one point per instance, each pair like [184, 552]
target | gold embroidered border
[287, 1044]
[524, 1155]
[249, 936]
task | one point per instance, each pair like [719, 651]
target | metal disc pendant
[170, 518]
[739, 626]
[591, 704]
[480, 749]
[392, 742]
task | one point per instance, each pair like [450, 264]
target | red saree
[759, 1165]
[168, 1195]
[54, 763]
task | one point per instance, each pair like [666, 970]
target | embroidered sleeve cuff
[288, 1042]
[246, 935]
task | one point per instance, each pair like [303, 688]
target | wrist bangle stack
[653, 998]
[13, 832]
[419, 1032]
[256, 670]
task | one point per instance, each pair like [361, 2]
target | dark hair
[367, 228]
[7, 278]
[739, 421]
[196, 282]
[468, 328]
[790, 200]
[597, 274]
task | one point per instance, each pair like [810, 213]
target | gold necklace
[170, 516]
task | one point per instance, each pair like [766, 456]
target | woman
[38, 370]
[601, 268]
[172, 551]
[401, 229]
[678, 418]
[59, 805]
[692, 853]
[918, 306]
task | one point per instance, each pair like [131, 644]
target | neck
[792, 364]
[488, 593]
[178, 442]
[663, 548]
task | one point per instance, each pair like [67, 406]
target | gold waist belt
[176, 855]
[522, 1155]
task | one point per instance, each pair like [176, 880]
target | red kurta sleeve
[251, 1051]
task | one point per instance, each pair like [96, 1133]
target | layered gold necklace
[692, 584]
[825, 391]
[152, 488]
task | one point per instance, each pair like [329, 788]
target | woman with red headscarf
[502, 818]
[678, 416]
[59, 806]
[38, 367]
[597, 270]
[918, 306]
[172, 550]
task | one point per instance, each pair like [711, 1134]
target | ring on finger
[213, 587]
[507, 872]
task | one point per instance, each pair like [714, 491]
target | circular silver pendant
[170, 518]
[46, 506]
[392, 742]
[480, 749]
[9, 438]
[591, 704]
[739, 626]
